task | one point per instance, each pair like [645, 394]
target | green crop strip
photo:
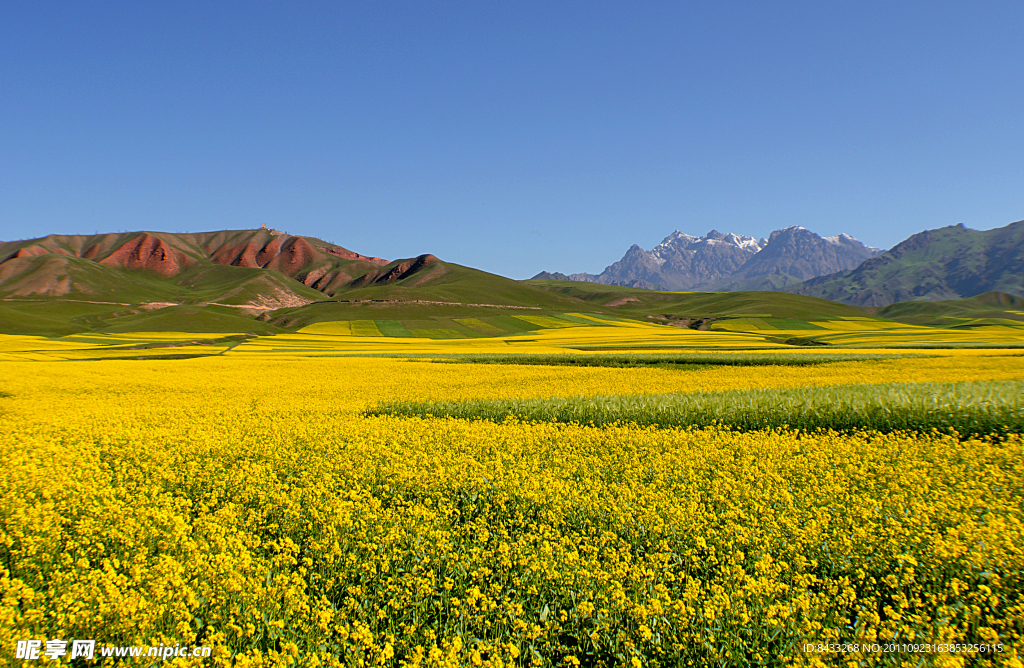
[668, 361]
[971, 408]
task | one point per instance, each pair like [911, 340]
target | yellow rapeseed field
[243, 502]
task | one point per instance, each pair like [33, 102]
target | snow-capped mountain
[795, 254]
[730, 261]
[678, 241]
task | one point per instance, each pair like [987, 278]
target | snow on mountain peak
[682, 241]
[841, 239]
[675, 238]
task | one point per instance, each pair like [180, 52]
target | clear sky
[511, 136]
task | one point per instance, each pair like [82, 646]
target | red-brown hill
[62, 265]
[252, 272]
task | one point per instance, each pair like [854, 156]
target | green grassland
[64, 317]
[973, 408]
[984, 309]
[212, 319]
[469, 303]
[55, 317]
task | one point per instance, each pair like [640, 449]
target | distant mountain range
[730, 262]
[944, 264]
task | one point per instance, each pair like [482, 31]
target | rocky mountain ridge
[718, 261]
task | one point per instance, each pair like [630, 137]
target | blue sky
[512, 137]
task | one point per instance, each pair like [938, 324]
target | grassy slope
[936, 265]
[191, 319]
[91, 282]
[53, 318]
[216, 283]
[457, 285]
[60, 318]
[698, 304]
[957, 313]
[87, 280]
[77, 278]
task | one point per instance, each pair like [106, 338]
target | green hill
[936, 265]
[426, 288]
